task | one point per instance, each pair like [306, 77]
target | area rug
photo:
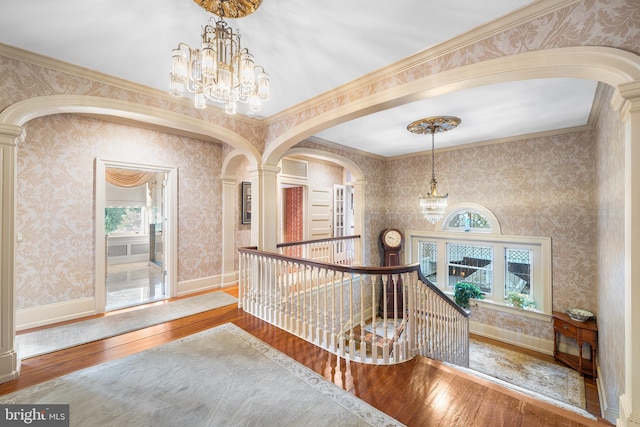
[60, 337]
[219, 377]
[547, 381]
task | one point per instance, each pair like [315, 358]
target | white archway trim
[230, 164]
[21, 112]
[327, 156]
[475, 208]
[612, 66]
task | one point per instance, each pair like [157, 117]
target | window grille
[471, 264]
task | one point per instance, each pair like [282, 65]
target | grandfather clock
[391, 240]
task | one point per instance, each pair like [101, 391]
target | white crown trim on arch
[28, 109]
[315, 153]
[612, 66]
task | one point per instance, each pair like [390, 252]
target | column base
[9, 366]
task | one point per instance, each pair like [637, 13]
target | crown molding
[522, 15]
[330, 144]
[75, 70]
[497, 141]
[66, 67]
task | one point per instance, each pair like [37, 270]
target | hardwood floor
[421, 392]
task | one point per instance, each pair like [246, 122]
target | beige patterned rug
[555, 382]
[223, 376]
[60, 337]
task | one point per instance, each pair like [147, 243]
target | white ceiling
[308, 47]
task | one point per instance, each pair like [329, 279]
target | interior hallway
[421, 392]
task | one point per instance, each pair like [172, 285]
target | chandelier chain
[433, 204]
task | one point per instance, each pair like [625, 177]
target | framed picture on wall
[246, 203]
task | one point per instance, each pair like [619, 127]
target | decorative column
[229, 191]
[630, 400]
[10, 136]
[264, 207]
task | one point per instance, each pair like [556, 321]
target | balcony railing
[334, 250]
[379, 315]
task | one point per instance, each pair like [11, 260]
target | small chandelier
[220, 70]
[433, 205]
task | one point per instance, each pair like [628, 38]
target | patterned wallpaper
[609, 136]
[535, 187]
[294, 215]
[55, 210]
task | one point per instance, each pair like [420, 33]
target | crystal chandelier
[433, 204]
[220, 70]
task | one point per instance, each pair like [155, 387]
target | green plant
[465, 291]
[519, 300]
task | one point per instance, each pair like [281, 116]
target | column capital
[11, 134]
[627, 99]
[264, 170]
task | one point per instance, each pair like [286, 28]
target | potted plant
[464, 291]
[521, 301]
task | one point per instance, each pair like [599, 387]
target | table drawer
[564, 327]
[588, 336]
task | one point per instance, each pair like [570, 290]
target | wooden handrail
[327, 239]
[362, 270]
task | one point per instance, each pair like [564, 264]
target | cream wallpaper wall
[536, 187]
[55, 202]
[609, 137]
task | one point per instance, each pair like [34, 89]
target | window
[124, 220]
[468, 221]
[518, 271]
[429, 260]
[497, 263]
[471, 264]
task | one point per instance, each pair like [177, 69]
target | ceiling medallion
[229, 8]
[433, 205]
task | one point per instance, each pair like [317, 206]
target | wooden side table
[583, 333]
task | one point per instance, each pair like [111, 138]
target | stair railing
[378, 315]
[333, 250]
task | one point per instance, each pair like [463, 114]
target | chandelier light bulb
[220, 70]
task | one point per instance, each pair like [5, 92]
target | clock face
[392, 238]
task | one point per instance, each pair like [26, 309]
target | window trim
[541, 272]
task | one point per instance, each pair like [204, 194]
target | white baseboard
[511, 337]
[69, 310]
[610, 414]
[198, 285]
[54, 313]
[9, 366]
[229, 279]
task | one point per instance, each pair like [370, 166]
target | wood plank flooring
[421, 392]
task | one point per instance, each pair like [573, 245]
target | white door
[321, 222]
[320, 213]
